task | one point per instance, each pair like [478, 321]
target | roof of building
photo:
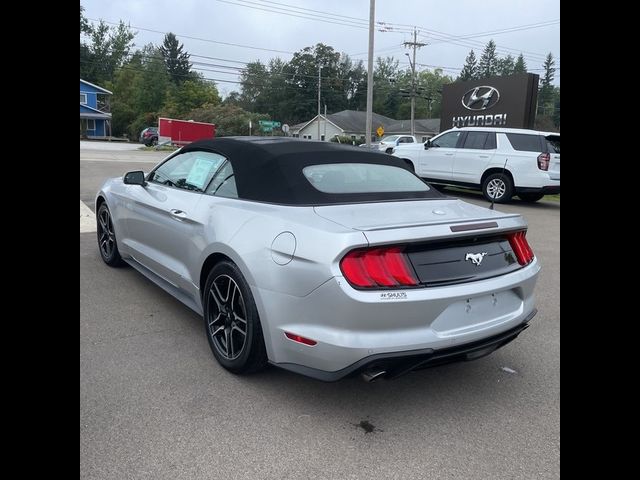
[356, 121]
[96, 86]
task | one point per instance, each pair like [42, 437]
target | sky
[262, 30]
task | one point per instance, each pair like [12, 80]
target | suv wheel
[498, 186]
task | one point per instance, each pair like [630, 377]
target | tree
[229, 119]
[488, 65]
[386, 94]
[188, 95]
[175, 59]
[470, 68]
[521, 65]
[108, 50]
[85, 26]
[506, 66]
[546, 93]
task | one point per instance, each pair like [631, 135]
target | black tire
[500, 183]
[107, 244]
[154, 142]
[530, 197]
[388, 150]
[222, 314]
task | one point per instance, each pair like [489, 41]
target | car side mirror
[427, 144]
[134, 178]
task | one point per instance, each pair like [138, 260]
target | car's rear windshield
[553, 143]
[362, 178]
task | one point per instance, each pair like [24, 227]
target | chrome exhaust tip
[373, 375]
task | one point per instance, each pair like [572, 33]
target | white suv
[502, 162]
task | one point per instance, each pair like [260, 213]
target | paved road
[155, 405]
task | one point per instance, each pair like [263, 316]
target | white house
[353, 124]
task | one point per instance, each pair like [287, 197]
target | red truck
[183, 132]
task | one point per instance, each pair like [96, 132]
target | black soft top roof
[269, 169]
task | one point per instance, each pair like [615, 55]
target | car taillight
[378, 267]
[520, 247]
[543, 161]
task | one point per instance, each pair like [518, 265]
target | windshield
[390, 138]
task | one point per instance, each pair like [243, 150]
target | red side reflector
[520, 247]
[299, 339]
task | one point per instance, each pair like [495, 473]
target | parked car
[388, 143]
[149, 136]
[320, 258]
[501, 162]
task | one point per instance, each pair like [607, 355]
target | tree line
[159, 81]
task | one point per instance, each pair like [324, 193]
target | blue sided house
[95, 116]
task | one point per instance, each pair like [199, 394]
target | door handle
[178, 213]
[448, 154]
[483, 156]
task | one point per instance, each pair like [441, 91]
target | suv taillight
[385, 267]
[543, 161]
[520, 246]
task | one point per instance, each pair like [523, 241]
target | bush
[347, 139]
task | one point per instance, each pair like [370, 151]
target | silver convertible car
[319, 258]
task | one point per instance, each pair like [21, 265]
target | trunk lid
[420, 220]
[382, 216]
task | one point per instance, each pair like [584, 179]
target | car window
[525, 142]
[448, 140]
[553, 144]
[390, 138]
[362, 178]
[476, 140]
[224, 183]
[190, 170]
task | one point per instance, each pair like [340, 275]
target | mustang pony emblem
[476, 258]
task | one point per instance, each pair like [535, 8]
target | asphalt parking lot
[154, 404]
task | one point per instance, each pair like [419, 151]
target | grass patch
[552, 198]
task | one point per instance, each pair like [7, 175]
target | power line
[197, 38]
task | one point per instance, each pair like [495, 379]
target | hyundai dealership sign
[491, 102]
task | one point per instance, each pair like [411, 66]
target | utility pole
[415, 44]
[325, 122]
[319, 82]
[372, 17]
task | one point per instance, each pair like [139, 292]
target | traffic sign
[380, 131]
[285, 128]
[269, 123]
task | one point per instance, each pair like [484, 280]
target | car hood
[403, 214]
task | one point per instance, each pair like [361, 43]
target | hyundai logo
[480, 98]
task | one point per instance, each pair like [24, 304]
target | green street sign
[269, 124]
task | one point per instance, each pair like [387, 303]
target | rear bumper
[400, 363]
[353, 328]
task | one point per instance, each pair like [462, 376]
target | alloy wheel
[106, 235]
[227, 318]
[496, 188]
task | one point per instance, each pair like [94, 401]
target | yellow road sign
[380, 131]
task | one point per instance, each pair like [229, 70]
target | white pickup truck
[388, 143]
[501, 162]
